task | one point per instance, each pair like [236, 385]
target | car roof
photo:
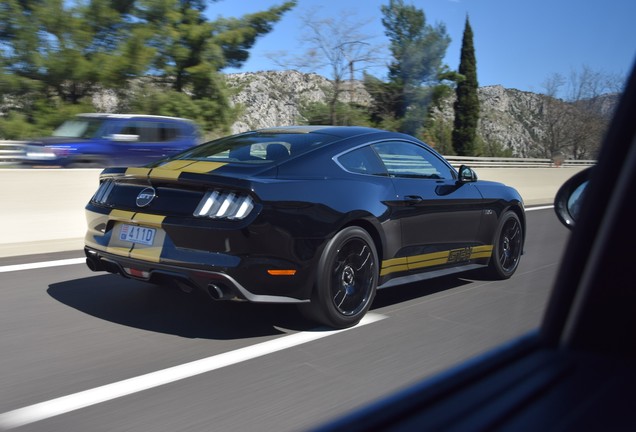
[338, 131]
[131, 116]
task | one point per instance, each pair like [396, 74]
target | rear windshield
[257, 147]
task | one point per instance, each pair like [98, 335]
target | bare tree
[575, 112]
[335, 44]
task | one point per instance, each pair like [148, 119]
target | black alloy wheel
[346, 281]
[507, 247]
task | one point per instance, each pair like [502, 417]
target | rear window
[257, 148]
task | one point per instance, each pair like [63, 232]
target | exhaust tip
[217, 292]
[93, 264]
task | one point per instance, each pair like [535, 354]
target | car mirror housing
[567, 202]
[466, 174]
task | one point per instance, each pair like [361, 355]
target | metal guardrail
[510, 162]
[13, 152]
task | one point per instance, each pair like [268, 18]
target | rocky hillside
[275, 98]
[509, 117]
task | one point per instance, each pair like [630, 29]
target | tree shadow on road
[171, 311]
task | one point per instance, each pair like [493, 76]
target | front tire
[507, 247]
[346, 280]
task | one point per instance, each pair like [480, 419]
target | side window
[362, 161]
[168, 132]
[147, 131]
[404, 159]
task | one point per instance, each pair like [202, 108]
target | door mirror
[567, 203]
[466, 174]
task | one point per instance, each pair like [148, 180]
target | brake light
[217, 204]
[104, 190]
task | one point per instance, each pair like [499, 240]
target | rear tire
[507, 247]
[346, 280]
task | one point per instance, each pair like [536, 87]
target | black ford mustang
[321, 216]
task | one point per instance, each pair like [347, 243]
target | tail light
[105, 188]
[218, 204]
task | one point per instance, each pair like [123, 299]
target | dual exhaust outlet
[216, 291]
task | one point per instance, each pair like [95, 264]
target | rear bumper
[217, 283]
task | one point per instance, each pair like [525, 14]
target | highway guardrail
[12, 152]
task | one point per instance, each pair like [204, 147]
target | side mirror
[567, 202]
[466, 174]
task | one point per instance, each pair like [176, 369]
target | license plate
[137, 234]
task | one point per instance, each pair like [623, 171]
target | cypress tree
[467, 103]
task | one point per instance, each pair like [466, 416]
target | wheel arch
[373, 231]
[517, 207]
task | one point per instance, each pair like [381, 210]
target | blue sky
[518, 44]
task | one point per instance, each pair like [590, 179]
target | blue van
[102, 140]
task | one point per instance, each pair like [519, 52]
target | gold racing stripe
[203, 167]
[164, 174]
[433, 259]
[150, 253]
[176, 165]
[137, 172]
[133, 250]
[121, 215]
[148, 219]
[173, 169]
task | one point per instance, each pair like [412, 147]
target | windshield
[79, 128]
[257, 148]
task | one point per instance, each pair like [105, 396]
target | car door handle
[413, 199]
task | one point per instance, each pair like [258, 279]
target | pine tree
[418, 51]
[467, 103]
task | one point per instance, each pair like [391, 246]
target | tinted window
[362, 161]
[404, 159]
[147, 131]
[168, 132]
[254, 148]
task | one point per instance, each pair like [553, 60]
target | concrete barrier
[42, 210]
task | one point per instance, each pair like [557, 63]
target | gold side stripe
[387, 270]
[433, 259]
[428, 263]
[393, 261]
[482, 249]
[417, 259]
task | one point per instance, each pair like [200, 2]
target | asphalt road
[83, 351]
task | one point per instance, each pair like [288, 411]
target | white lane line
[43, 264]
[540, 208]
[65, 404]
